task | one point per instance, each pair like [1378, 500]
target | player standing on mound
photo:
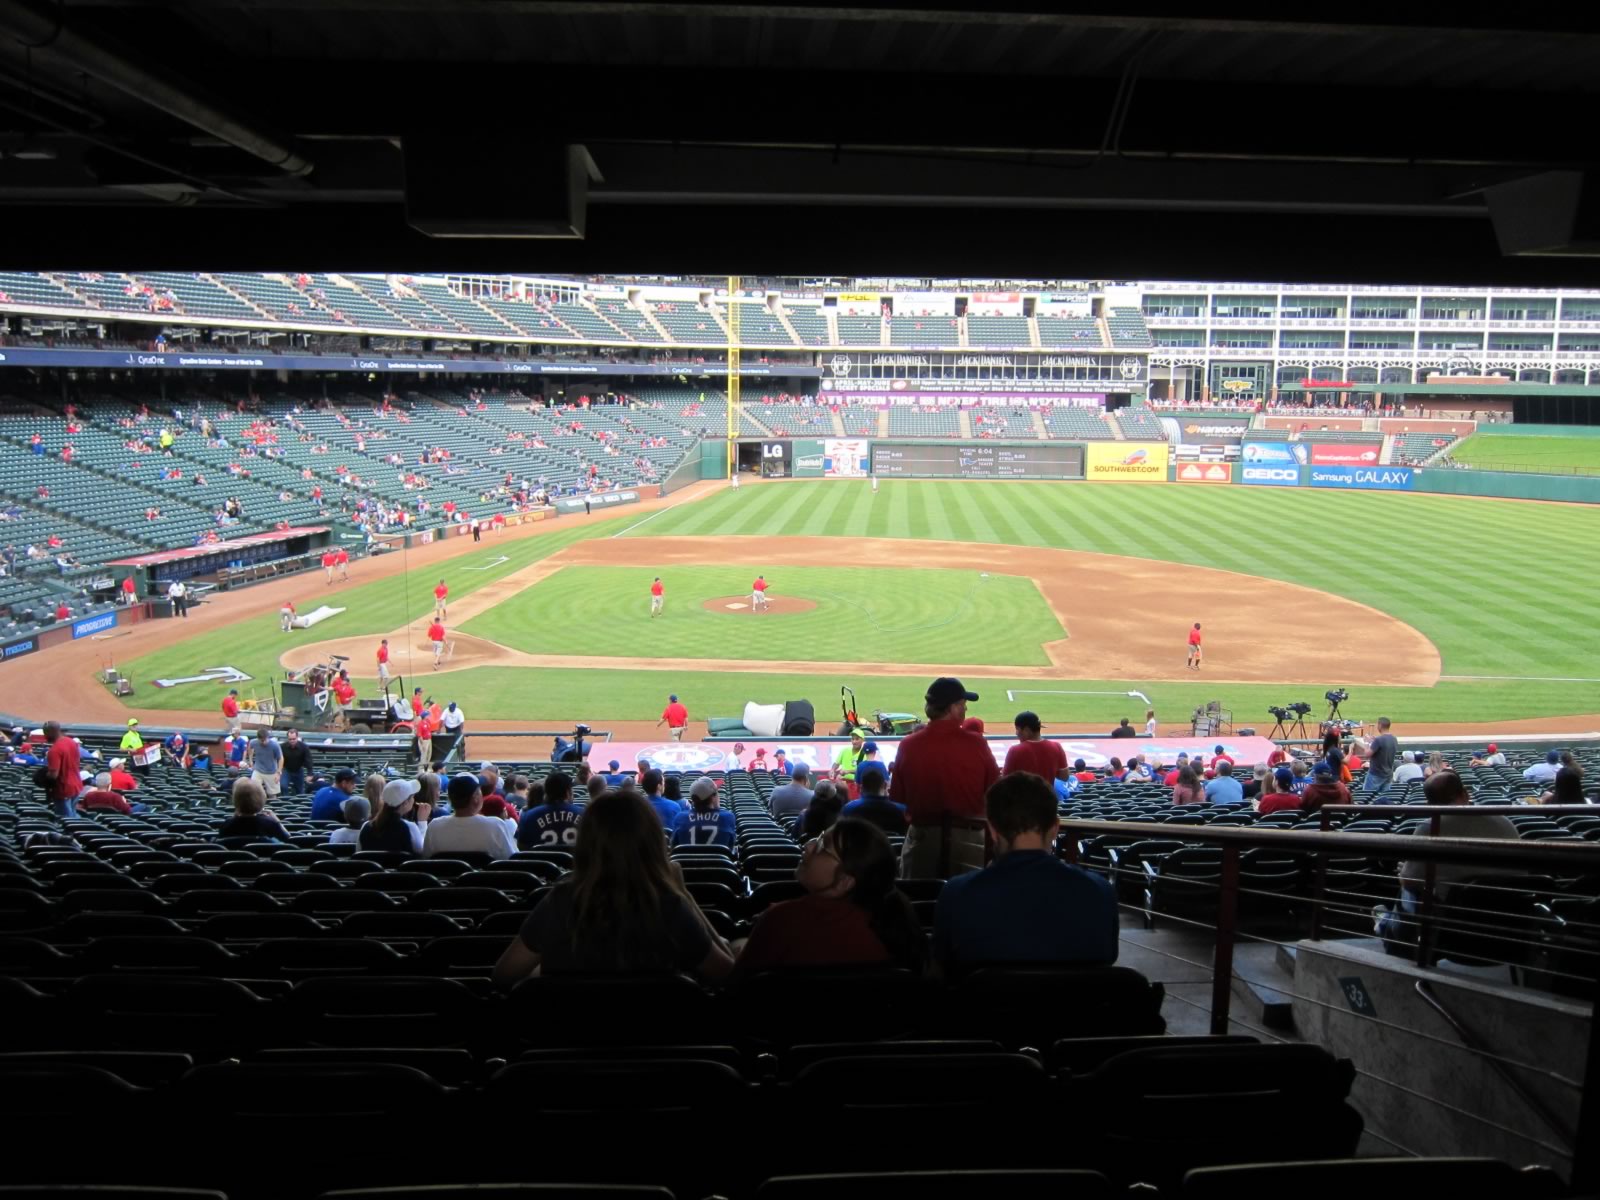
[1194, 648]
[657, 596]
[758, 594]
[440, 595]
[436, 636]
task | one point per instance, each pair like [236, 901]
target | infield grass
[885, 615]
[1509, 452]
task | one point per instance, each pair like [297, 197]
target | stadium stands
[588, 323]
[907, 421]
[30, 287]
[997, 331]
[1074, 333]
[1139, 424]
[1071, 423]
[860, 331]
[1417, 448]
[689, 324]
[282, 302]
[1002, 421]
[201, 296]
[629, 319]
[808, 322]
[111, 291]
[759, 326]
[1127, 328]
[859, 420]
[923, 331]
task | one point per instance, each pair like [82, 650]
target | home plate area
[741, 604]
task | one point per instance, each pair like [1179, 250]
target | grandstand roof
[329, 133]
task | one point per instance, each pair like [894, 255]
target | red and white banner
[1004, 304]
[1096, 752]
[1205, 473]
[1325, 454]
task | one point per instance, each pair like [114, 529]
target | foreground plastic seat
[504, 1191]
[581, 1010]
[1036, 1006]
[382, 1010]
[775, 1007]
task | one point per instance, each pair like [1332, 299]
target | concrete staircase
[1116, 430]
[883, 423]
[1040, 430]
[838, 425]
[650, 320]
[783, 319]
[966, 424]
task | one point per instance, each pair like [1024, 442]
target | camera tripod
[1289, 727]
[1333, 710]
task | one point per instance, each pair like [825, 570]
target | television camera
[1335, 697]
[1291, 719]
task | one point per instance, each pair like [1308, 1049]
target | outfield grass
[1502, 588]
[892, 616]
[1509, 452]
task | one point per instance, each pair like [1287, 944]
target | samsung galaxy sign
[1391, 479]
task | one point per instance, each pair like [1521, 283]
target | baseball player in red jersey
[657, 596]
[383, 663]
[1194, 647]
[342, 561]
[758, 594]
[328, 559]
[436, 636]
[440, 595]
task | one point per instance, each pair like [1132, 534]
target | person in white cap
[400, 821]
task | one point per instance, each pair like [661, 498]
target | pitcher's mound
[741, 604]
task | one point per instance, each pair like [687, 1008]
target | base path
[1128, 618]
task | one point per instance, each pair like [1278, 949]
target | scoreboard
[913, 460]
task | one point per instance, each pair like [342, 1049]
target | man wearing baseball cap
[328, 803]
[1033, 754]
[1491, 757]
[941, 775]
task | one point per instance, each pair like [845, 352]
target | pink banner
[1095, 751]
[1324, 454]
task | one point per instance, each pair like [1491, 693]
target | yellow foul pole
[733, 374]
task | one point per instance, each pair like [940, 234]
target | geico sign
[1271, 475]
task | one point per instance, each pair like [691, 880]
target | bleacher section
[689, 324]
[1075, 333]
[533, 320]
[628, 319]
[860, 331]
[587, 323]
[859, 420]
[808, 322]
[30, 287]
[278, 299]
[923, 331]
[758, 326]
[1139, 424]
[112, 291]
[468, 314]
[1128, 330]
[690, 408]
[403, 298]
[1413, 449]
[997, 331]
[1068, 423]
[355, 304]
[905, 421]
[793, 420]
[200, 296]
[1002, 421]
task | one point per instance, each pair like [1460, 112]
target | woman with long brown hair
[622, 909]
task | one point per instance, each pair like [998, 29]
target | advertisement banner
[1326, 455]
[597, 501]
[173, 360]
[1185, 452]
[1278, 476]
[1385, 479]
[95, 624]
[1285, 454]
[806, 459]
[925, 304]
[720, 755]
[1127, 460]
[1210, 433]
[1204, 473]
[18, 649]
[846, 458]
[859, 304]
[775, 460]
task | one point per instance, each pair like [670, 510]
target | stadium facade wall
[1508, 485]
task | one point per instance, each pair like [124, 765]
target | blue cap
[872, 771]
[1553, 756]
[869, 747]
[672, 699]
[1284, 776]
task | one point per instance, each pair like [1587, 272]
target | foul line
[1013, 693]
[1521, 678]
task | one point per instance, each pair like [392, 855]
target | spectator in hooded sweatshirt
[466, 829]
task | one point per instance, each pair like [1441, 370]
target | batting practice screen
[920, 461]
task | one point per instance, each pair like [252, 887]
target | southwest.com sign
[1126, 460]
[1392, 479]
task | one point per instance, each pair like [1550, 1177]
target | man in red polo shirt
[343, 693]
[342, 561]
[383, 663]
[418, 706]
[1032, 753]
[436, 636]
[941, 775]
[677, 718]
[327, 564]
[657, 596]
[758, 594]
[230, 712]
[440, 595]
[61, 771]
[1194, 648]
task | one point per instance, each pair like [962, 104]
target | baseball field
[1069, 597]
[1512, 452]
